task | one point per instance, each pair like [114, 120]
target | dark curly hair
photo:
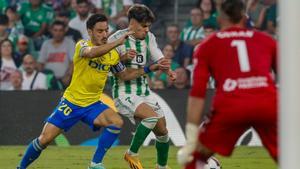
[140, 13]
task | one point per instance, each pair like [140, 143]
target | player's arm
[130, 73]
[98, 51]
[194, 108]
[129, 55]
[171, 74]
[274, 56]
[157, 56]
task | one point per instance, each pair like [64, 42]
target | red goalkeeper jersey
[240, 61]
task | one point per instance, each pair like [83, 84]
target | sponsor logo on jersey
[245, 83]
[98, 66]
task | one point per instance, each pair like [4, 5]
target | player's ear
[89, 32]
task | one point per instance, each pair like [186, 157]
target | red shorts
[232, 117]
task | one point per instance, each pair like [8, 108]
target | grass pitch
[76, 157]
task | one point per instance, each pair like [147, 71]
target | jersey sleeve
[119, 67]
[121, 49]
[80, 46]
[155, 52]
[201, 72]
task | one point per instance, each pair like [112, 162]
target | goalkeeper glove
[185, 154]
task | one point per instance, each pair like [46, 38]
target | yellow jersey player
[93, 60]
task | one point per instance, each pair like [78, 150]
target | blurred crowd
[38, 37]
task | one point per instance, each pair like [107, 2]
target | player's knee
[45, 139]
[163, 138]
[150, 122]
[161, 130]
[117, 121]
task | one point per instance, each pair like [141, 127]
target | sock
[142, 131]
[32, 153]
[162, 147]
[106, 139]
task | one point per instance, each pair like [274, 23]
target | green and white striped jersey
[147, 50]
[192, 33]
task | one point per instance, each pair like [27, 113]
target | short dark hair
[140, 13]
[3, 19]
[234, 9]
[91, 22]
[56, 22]
[82, 1]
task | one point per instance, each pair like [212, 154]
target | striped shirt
[192, 33]
[147, 50]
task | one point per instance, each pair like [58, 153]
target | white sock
[161, 167]
[131, 153]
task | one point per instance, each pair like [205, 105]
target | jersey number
[242, 54]
[139, 59]
[65, 109]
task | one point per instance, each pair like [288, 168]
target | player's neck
[228, 25]
[130, 28]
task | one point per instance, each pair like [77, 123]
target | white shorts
[128, 103]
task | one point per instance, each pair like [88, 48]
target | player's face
[140, 29]
[99, 34]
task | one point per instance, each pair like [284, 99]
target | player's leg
[219, 135]
[100, 115]
[134, 106]
[162, 143]
[39, 144]
[268, 135]
[266, 127]
[148, 122]
[113, 123]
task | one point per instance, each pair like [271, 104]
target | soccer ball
[212, 163]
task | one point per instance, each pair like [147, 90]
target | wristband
[147, 69]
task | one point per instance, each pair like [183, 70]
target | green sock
[162, 152]
[140, 135]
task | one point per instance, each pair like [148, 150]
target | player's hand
[164, 64]
[122, 39]
[185, 154]
[129, 55]
[172, 75]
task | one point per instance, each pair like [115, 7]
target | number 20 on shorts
[65, 109]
